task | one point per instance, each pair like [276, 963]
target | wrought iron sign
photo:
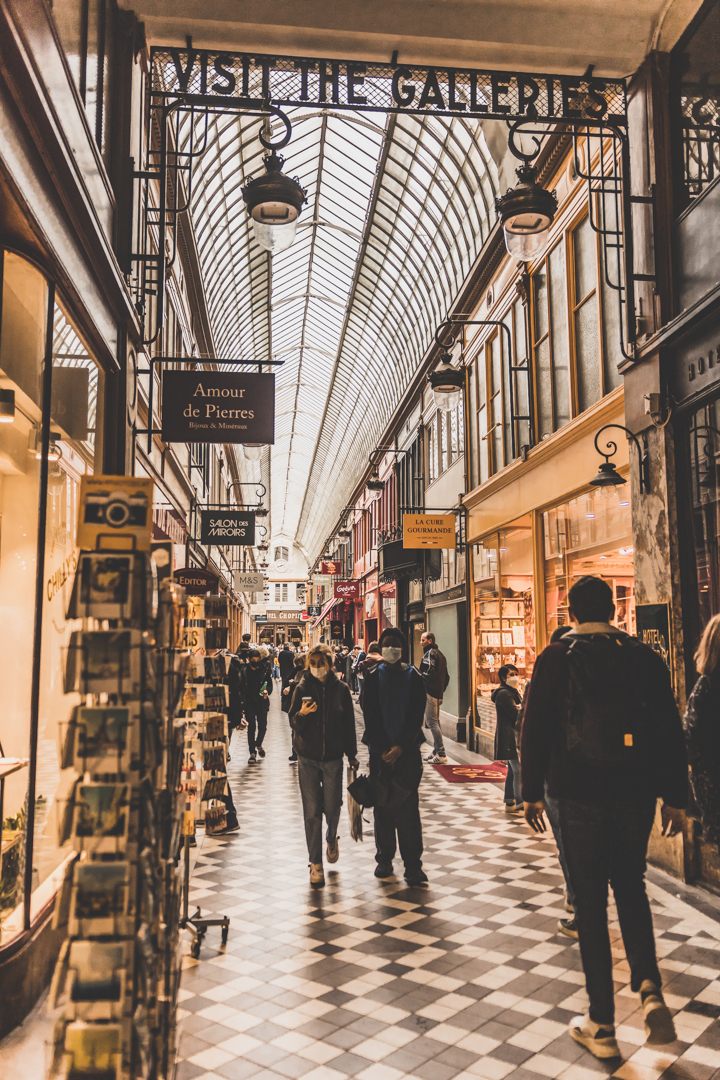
[347, 84]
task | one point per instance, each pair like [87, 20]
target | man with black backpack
[434, 672]
[601, 727]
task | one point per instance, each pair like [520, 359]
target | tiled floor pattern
[465, 979]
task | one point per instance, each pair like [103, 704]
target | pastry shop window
[591, 534]
[504, 611]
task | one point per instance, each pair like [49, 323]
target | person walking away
[323, 721]
[255, 688]
[349, 673]
[507, 701]
[299, 663]
[602, 728]
[276, 666]
[434, 672]
[357, 669]
[394, 709]
[702, 732]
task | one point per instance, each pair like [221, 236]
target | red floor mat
[473, 774]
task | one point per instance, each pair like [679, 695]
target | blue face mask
[391, 655]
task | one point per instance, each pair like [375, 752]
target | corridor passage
[467, 978]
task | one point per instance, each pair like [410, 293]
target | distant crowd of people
[593, 745]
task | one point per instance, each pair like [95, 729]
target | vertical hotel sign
[218, 407]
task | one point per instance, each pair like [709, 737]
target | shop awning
[330, 604]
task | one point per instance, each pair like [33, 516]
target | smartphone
[307, 700]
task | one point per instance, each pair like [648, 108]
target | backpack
[608, 722]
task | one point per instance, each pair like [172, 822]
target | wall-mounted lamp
[374, 486]
[447, 383]
[253, 451]
[7, 406]
[35, 445]
[527, 212]
[260, 512]
[608, 478]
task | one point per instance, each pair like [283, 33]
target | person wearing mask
[255, 689]
[702, 731]
[299, 662]
[434, 672]
[507, 701]
[372, 657]
[323, 722]
[601, 727]
[394, 709]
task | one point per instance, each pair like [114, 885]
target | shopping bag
[354, 808]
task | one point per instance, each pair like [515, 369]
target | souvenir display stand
[118, 973]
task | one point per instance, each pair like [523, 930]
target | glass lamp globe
[253, 451]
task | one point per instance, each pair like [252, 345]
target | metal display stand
[197, 923]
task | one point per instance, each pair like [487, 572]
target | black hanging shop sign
[218, 407]
[227, 527]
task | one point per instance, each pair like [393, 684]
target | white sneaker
[317, 877]
[438, 759]
[513, 808]
[333, 851]
[659, 1025]
[599, 1039]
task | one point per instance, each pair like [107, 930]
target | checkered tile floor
[374, 980]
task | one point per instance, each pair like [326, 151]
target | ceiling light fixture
[374, 486]
[447, 383]
[274, 202]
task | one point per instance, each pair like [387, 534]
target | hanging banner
[331, 566]
[428, 530]
[245, 581]
[347, 590]
[218, 407]
[235, 528]
[115, 513]
[197, 582]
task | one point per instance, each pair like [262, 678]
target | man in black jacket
[393, 709]
[255, 688]
[602, 728]
[507, 702]
[433, 668]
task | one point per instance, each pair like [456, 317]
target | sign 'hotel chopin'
[218, 407]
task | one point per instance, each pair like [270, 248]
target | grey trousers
[321, 787]
[432, 720]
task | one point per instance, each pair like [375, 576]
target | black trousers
[256, 716]
[608, 843]
[400, 826]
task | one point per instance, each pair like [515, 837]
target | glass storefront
[704, 439]
[36, 573]
[591, 534]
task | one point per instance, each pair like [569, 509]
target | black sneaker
[417, 877]
[384, 870]
[228, 829]
[293, 759]
[260, 751]
[252, 760]
[568, 927]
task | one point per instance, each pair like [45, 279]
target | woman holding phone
[323, 722]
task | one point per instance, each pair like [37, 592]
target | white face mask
[513, 680]
[391, 655]
[319, 672]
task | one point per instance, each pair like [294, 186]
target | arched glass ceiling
[398, 209]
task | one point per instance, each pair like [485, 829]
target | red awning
[330, 604]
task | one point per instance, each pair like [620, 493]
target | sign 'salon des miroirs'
[218, 407]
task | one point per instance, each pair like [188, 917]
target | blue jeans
[321, 788]
[608, 843]
[432, 720]
[513, 786]
[553, 812]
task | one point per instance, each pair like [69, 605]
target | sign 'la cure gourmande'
[218, 407]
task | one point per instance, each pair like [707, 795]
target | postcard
[103, 587]
[100, 898]
[94, 1049]
[104, 661]
[115, 513]
[214, 788]
[96, 969]
[214, 759]
[101, 817]
[102, 738]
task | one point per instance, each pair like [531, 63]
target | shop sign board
[260, 618]
[347, 590]
[428, 530]
[337, 630]
[234, 528]
[246, 581]
[197, 582]
[331, 566]
[218, 407]
[653, 629]
[258, 609]
[304, 616]
[284, 616]
[115, 513]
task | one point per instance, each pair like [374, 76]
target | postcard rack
[204, 708]
[120, 808]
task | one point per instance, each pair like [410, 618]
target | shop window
[551, 344]
[492, 376]
[504, 611]
[591, 534]
[432, 433]
[86, 29]
[33, 654]
[695, 102]
[704, 446]
[450, 563]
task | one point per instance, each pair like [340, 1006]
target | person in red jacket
[601, 727]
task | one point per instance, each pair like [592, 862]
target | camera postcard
[97, 978]
[101, 817]
[115, 513]
[100, 899]
[103, 587]
[104, 737]
[93, 1049]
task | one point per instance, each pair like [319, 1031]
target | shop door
[370, 631]
[442, 621]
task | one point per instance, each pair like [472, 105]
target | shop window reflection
[591, 534]
[704, 437]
